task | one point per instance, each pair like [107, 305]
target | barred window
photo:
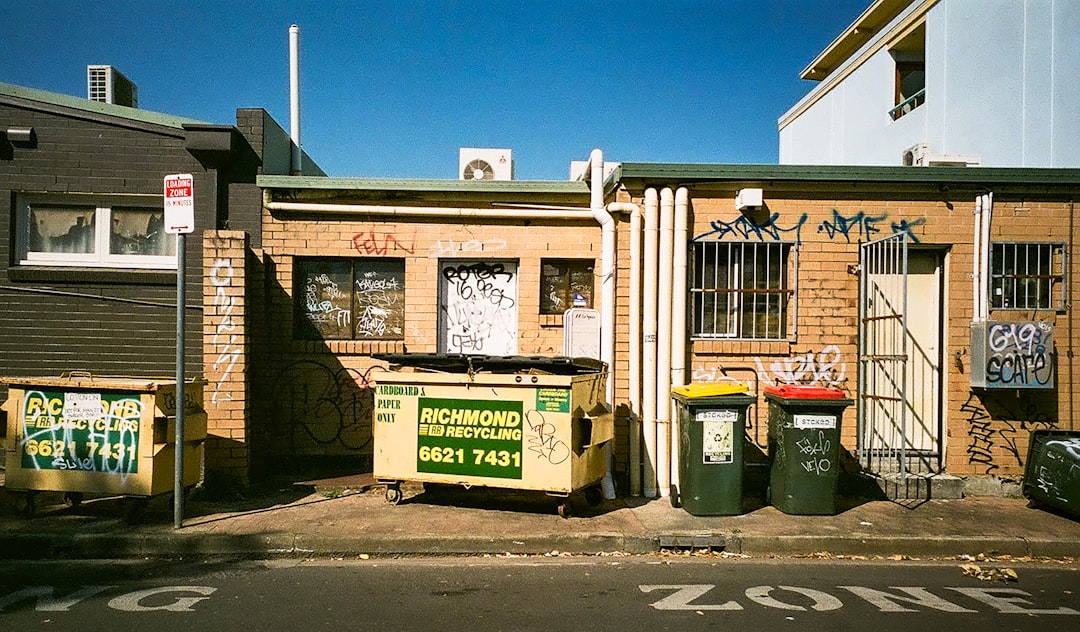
[1027, 275]
[743, 290]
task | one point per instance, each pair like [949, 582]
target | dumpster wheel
[393, 493]
[73, 499]
[29, 507]
[566, 508]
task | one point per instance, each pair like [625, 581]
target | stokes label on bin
[469, 437]
[83, 431]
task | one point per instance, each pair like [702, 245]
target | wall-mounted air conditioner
[919, 155]
[106, 84]
[475, 163]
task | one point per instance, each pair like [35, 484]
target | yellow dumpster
[525, 423]
[82, 434]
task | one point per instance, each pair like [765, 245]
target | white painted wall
[1000, 84]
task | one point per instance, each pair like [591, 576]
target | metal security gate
[899, 362]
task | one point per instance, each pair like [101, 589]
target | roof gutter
[432, 211]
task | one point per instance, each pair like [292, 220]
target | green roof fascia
[96, 107]
[414, 185]
[701, 172]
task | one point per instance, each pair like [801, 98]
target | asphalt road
[530, 593]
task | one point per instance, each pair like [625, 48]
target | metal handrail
[908, 104]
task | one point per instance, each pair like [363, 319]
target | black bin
[711, 432]
[804, 447]
[1052, 472]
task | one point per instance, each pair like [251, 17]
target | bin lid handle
[68, 375]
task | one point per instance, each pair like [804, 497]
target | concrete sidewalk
[350, 517]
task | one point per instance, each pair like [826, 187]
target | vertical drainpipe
[607, 291]
[984, 273]
[976, 266]
[663, 344]
[648, 361]
[678, 318]
[633, 370]
[295, 166]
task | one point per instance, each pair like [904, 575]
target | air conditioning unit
[920, 156]
[485, 164]
[106, 84]
[915, 155]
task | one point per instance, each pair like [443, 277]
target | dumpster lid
[463, 363]
[804, 391]
[86, 380]
[709, 389]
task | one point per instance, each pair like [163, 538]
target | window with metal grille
[743, 290]
[1027, 275]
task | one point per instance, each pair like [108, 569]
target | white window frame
[102, 206]
[735, 313]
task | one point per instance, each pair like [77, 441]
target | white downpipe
[976, 267]
[648, 360]
[607, 292]
[678, 318]
[988, 216]
[663, 343]
[634, 362]
[295, 168]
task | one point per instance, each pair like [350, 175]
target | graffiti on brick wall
[824, 368]
[859, 226]
[445, 247]
[372, 243]
[223, 344]
[323, 404]
[995, 423]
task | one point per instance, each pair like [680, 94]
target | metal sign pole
[179, 197]
[178, 488]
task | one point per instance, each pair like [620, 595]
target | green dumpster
[712, 422]
[1052, 472]
[804, 447]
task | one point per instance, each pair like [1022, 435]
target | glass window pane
[140, 231]
[68, 229]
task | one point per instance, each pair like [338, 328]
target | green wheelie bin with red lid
[804, 447]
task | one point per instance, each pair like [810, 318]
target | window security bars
[1027, 275]
[743, 290]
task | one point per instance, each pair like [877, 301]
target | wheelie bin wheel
[593, 495]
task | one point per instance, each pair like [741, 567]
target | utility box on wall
[1012, 355]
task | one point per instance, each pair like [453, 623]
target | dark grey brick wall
[114, 322]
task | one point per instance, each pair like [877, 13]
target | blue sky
[393, 88]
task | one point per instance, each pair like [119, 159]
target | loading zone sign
[179, 203]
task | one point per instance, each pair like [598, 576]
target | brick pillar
[225, 354]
